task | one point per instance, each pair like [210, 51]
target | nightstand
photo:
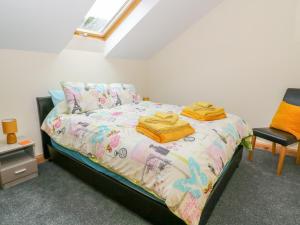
[17, 163]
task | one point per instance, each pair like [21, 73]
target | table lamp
[9, 127]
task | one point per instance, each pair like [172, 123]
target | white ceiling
[40, 25]
[48, 25]
[163, 23]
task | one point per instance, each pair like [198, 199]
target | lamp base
[11, 138]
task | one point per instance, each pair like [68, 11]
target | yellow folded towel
[203, 111]
[203, 104]
[162, 131]
[165, 118]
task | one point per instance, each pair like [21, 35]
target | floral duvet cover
[181, 173]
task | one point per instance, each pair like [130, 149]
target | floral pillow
[83, 97]
[121, 94]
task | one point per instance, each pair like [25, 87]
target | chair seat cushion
[274, 135]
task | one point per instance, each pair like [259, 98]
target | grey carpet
[255, 195]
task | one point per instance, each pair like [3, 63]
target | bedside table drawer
[23, 166]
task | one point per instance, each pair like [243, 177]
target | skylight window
[104, 16]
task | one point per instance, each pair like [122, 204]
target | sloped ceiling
[40, 25]
[163, 23]
[48, 25]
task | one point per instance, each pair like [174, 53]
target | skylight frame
[113, 23]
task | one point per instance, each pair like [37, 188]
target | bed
[144, 202]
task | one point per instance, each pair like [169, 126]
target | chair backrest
[292, 96]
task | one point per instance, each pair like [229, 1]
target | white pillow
[83, 97]
[121, 94]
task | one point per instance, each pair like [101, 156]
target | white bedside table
[17, 163]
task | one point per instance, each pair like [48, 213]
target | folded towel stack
[164, 127]
[203, 111]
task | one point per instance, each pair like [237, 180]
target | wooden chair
[292, 96]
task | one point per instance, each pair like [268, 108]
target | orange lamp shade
[9, 126]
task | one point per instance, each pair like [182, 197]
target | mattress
[180, 173]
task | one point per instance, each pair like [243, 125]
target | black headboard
[45, 105]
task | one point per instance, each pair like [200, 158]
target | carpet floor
[254, 195]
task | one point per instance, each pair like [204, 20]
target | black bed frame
[153, 211]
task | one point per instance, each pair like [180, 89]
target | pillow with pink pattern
[83, 97]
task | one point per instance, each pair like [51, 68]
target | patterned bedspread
[181, 173]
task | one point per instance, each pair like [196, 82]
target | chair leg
[273, 148]
[281, 160]
[250, 154]
[298, 154]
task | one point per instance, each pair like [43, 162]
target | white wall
[242, 55]
[27, 75]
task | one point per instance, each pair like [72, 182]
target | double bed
[174, 183]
